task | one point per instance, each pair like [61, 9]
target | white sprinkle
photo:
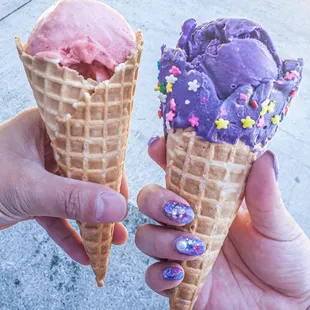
[120, 67]
[171, 79]
[193, 86]
[57, 157]
[56, 134]
[78, 124]
[68, 116]
[187, 102]
[75, 105]
[106, 82]
[162, 98]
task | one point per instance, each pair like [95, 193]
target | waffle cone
[212, 178]
[88, 124]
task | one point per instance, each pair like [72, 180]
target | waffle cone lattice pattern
[88, 124]
[211, 177]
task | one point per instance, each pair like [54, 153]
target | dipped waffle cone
[88, 124]
[212, 178]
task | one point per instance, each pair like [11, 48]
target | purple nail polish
[173, 273]
[178, 212]
[152, 140]
[190, 246]
[276, 165]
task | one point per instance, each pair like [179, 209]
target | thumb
[56, 196]
[264, 202]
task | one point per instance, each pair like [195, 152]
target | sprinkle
[254, 104]
[286, 111]
[175, 70]
[194, 120]
[75, 105]
[162, 88]
[68, 116]
[157, 88]
[193, 86]
[261, 122]
[276, 120]
[57, 157]
[223, 112]
[120, 67]
[158, 64]
[243, 97]
[162, 98]
[169, 88]
[56, 134]
[271, 106]
[160, 115]
[78, 125]
[282, 117]
[279, 82]
[187, 102]
[247, 122]
[291, 76]
[172, 104]
[171, 79]
[221, 123]
[204, 100]
[263, 111]
[170, 116]
[293, 94]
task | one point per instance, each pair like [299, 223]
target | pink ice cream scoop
[85, 35]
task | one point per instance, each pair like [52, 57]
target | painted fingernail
[152, 140]
[173, 273]
[179, 212]
[190, 246]
[276, 165]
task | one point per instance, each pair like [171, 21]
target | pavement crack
[17, 9]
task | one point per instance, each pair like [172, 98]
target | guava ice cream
[85, 35]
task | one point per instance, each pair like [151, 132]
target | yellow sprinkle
[276, 120]
[271, 106]
[247, 122]
[221, 124]
[263, 111]
[157, 88]
[169, 88]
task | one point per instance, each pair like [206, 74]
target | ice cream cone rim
[90, 84]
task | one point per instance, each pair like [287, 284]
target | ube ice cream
[226, 80]
[85, 35]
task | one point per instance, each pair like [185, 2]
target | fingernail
[110, 208]
[190, 246]
[173, 273]
[179, 212]
[276, 165]
[152, 140]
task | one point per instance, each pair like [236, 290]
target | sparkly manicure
[152, 140]
[190, 246]
[173, 273]
[178, 212]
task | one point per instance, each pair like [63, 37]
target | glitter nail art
[178, 212]
[190, 246]
[173, 273]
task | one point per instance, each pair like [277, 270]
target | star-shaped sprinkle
[276, 120]
[263, 111]
[271, 106]
[187, 102]
[169, 88]
[162, 98]
[261, 122]
[194, 120]
[221, 123]
[171, 79]
[247, 122]
[193, 86]
[162, 88]
[172, 104]
[175, 70]
[223, 112]
[170, 116]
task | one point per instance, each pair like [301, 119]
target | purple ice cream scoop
[226, 80]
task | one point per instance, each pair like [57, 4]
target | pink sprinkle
[204, 100]
[279, 82]
[243, 97]
[290, 76]
[175, 70]
[260, 122]
[170, 116]
[286, 111]
[293, 94]
[223, 112]
[172, 104]
[194, 120]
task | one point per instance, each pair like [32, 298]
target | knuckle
[72, 200]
